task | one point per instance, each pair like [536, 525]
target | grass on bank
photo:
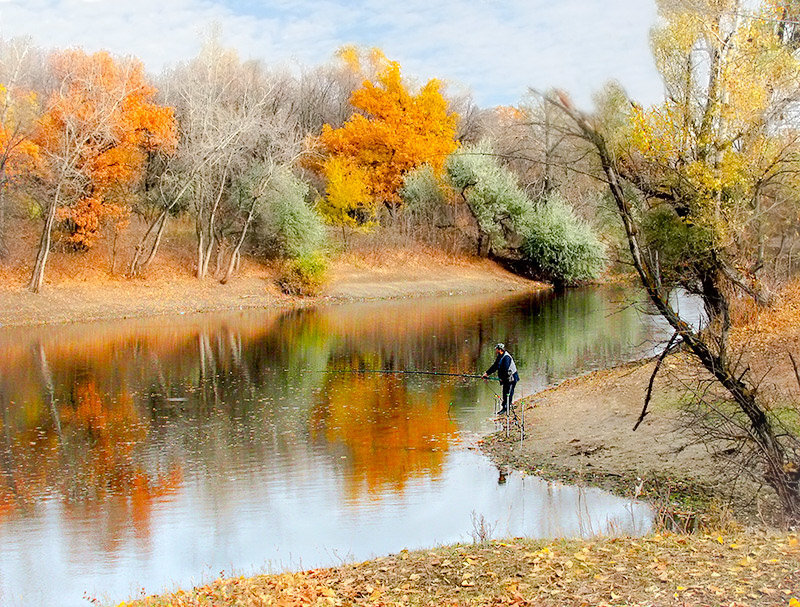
[735, 568]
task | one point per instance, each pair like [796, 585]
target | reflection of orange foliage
[8, 503]
[392, 434]
[112, 433]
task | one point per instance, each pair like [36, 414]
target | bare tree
[230, 114]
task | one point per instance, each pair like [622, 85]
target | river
[142, 455]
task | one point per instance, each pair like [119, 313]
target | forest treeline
[299, 166]
[277, 165]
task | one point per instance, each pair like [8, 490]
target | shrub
[560, 244]
[422, 192]
[286, 225]
[304, 275]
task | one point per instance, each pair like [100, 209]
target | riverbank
[727, 568]
[581, 431]
[78, 298]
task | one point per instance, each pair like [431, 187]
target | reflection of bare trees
[47, 380]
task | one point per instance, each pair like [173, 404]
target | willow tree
[697, 181]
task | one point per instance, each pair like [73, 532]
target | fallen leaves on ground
[745, 569]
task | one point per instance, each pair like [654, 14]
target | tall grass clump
[563, 246]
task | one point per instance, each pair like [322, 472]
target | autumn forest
[652, 250]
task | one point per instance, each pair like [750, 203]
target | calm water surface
[141, 455]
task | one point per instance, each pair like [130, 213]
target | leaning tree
[700, 183]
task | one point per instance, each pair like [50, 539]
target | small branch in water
[661, 358]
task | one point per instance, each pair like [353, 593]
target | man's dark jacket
[502, 364]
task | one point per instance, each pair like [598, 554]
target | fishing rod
[391, 372]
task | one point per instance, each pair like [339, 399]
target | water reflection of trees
[121, 415]
[389, 433]
[80, 448]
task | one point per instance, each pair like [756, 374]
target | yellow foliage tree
[393, 132]
[716, 150]
[348, 201]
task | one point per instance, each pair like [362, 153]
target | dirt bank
[77, 298]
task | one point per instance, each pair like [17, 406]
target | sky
[495, 48]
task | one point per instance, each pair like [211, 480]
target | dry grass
[744, 568]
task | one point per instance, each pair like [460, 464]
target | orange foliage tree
[18, 154]
[393, 132]
[100, 122]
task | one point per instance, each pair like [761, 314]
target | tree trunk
[3, 238]
[200, 254]
[160, 221]
[235, 254]
[210, 231]
[156, 241]
[37, 277]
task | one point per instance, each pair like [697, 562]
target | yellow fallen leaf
[720, 540]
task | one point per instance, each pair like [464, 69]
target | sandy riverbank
[399, 276]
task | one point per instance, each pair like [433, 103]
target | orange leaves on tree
[394, 132]
[18, 153]
[100, 123]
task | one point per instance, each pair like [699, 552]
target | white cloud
[496, 47]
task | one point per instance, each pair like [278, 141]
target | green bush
[560, 244]
[285, 223]
[491, 191]
[422, 193]
[304, 275]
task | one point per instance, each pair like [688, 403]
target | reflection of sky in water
[275, 524]
[158, 453]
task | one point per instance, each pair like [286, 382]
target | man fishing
[506, 370]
